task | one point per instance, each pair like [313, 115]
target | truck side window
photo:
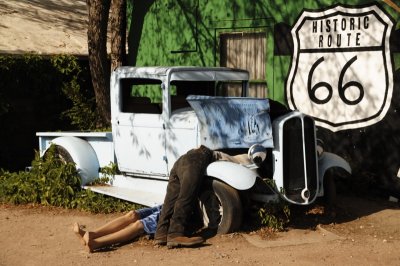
[141, 96]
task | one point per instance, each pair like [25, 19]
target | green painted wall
[186, 32]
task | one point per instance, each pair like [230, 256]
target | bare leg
[126, 234]
[115, 225]
[79, 232]
[109, 228]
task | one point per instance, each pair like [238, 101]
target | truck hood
[232, 122]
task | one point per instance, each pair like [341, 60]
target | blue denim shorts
[149, 217]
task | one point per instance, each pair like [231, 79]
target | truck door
[138, 128]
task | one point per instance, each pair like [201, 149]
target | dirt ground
[43, 27]
[364, 232]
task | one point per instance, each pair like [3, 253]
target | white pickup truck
[159, 113]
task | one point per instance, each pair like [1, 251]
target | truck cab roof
[183, 73]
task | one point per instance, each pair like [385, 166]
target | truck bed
[101, 142]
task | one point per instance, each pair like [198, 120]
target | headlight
[257, 154]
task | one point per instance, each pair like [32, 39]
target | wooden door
[246, 50]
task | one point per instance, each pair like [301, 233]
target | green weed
[274, 215]
[52, 181]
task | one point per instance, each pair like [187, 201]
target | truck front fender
[83, 155]
[329, 160]
[235, 175]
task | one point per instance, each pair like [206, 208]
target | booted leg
[183, 241]
[126, 234]
[160, 236]
[190, 172]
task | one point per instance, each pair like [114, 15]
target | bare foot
[88, 238]
[79, 232]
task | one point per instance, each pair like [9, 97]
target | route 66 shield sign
[341, 72]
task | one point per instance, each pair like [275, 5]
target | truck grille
[299, 160]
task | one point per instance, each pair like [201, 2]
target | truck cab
[152, 121]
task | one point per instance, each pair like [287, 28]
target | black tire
[61, 153]
[220, 206]
[330, 194]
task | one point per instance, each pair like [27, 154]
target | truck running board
[134, 190]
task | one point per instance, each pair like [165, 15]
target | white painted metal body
[329, 160]
[279, 163]
[324, 161]
[151, 143]
[89, 150]
[146, 145]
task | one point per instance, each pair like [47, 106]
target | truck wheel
[330, 192]
[62, 154]
[220, 206]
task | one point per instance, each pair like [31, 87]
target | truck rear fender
[328, 160]
[83, 156]
[235, 175]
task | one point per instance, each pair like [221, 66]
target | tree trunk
[99, 67]
[118, 33]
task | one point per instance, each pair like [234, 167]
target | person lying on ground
[120, 230]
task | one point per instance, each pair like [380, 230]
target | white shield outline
[331, 12]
